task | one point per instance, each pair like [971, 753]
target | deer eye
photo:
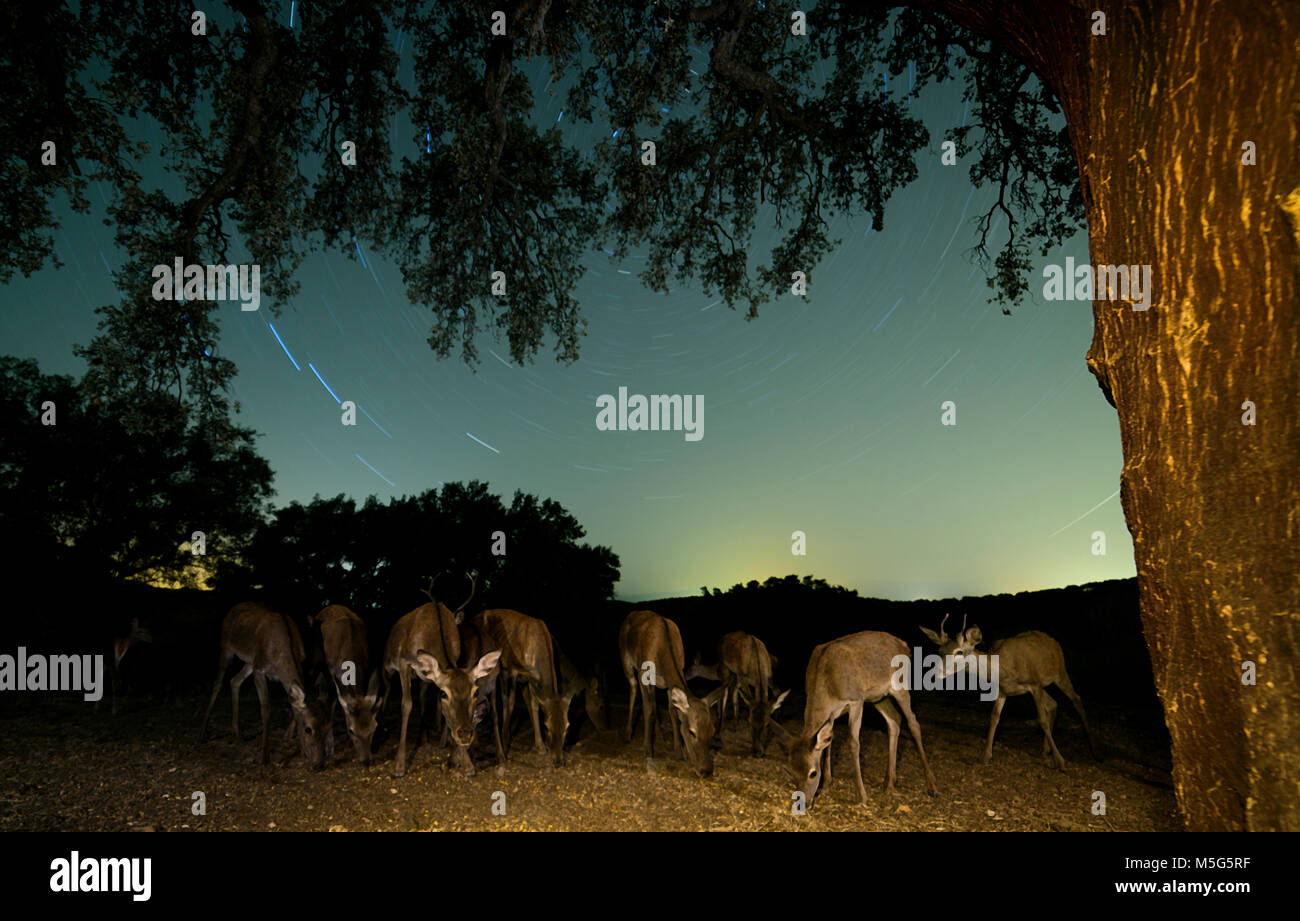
[812, 773]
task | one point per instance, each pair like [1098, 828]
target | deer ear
[677, 697]
[973, 636]
[776, 704]
[824, 735]
[931, 636]
[426, 666]
[372, 689]
[486, 665]
[713, 697]
[297, 696]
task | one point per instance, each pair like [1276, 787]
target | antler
[472, 585]
[429, 591]
[942, 635]
[963, 625]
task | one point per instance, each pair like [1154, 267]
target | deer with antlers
[844, 675]
[1027, 663]
[426, 643]
[269, 643]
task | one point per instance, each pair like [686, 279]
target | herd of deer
[506, 652]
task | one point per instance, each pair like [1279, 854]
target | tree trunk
[1212, 503]
[1159, 108]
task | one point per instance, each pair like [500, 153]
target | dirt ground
[64, 766]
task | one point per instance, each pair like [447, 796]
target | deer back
[343, 634]
[431, 627]
[648, 637]
[1031, 658]
[858, 667]
[266, 639]
[526, 645]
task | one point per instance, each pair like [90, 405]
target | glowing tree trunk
[1159, 109]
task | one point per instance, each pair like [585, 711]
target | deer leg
[496, 730]
[404, 675]
[216, 690]
[506, 690]
[1067, 688]
[259, 681]
[1046, 713]
[1051, 723]
[677, 729]
[855, 746]
[235, 682]
[631, 708]
[993, 727]
[534, 709]
[826, 768]
[419, 725]
[890, 713]
[905, 703]
[648, 716]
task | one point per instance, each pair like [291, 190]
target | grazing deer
[268, 643]
[1027, 663]
[651, 649]
[843, 675]
[744, 664]
[528, 659]
[347, 659]
[426, 642]
[575, 682]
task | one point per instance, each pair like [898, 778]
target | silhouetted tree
[83, 497]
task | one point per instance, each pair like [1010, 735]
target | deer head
[760, 721]
[361, 714]
[805, 761]
[961, 645]
[697, 727]
[459, 688]
[314, 730]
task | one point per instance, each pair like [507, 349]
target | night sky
[821, 416]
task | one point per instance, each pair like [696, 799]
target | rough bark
[1158, 109]
[1212, 503]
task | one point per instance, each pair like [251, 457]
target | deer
[426, 642]
[347, 661]
[844, 675]
[122, 644]
[1027, 663]
[575, 682]
[650, 647]
[745, 664]
[527, 659]
[268, 643]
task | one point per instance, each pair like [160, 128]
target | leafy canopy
[455, 179]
